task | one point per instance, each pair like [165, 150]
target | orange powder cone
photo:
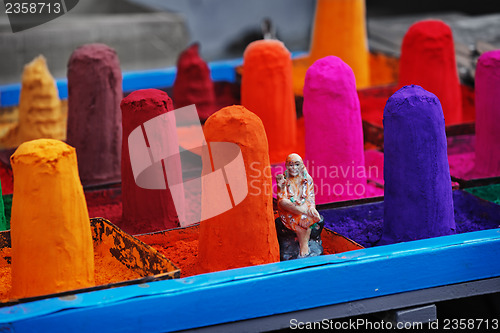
[52, 249]
[339, 30]
[266, 89]
[40, 113]
[244, 235]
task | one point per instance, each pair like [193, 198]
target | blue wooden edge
[221, 71]
[265, 290]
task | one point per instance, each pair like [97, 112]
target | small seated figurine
[296, 204]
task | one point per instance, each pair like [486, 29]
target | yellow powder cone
[52, 249]
[339, 30]
[40, 113]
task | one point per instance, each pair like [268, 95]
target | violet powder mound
[418, 194]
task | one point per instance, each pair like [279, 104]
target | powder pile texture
[334, 132]
[266, 90]
[4, 224]
[489, 192]
[193, 84]
[94, 117]
[107, 270]
[179, 245]
[144, 210]
[40, 113]
[339, 30]
[244, 235]
[428, 60]
[364, 223]
[52, 249]
[488, 115]
[417, 193]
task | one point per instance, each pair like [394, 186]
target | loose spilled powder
[364, 223]
[107, 270]
[4, 223]
[490, 192]
[105, 203]
[179, 245]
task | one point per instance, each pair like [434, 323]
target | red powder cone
[266, 89]
[244, 235]
[193, 84]
[145, 210]
[428, 60]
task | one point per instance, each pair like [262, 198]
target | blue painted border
[265, 290]
[220, 71]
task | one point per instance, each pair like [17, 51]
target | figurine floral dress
[299, 190]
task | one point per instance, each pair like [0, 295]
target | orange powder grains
[178, 245]
[107, 270]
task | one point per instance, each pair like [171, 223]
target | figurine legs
[303, 236]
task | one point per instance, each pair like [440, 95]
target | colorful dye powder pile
[94, 116]
[487, 162]
[266, 90]
[193, 84]
[334, 133]
[339, 30]
[244, 235]
[107, 270]
[40, 113]
[145, 210]
[52, 248]
[364, 223]
[428, 60]
[489, 192]
[417, 191]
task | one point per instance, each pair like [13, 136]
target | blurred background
[149, 34]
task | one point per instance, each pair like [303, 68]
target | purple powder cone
[418, 194]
